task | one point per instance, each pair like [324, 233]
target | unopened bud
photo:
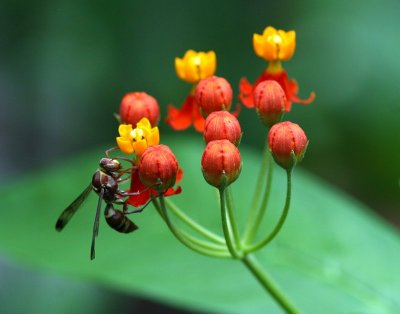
[158, 167]
[138, 105]
[270, 101]
[287, 143]
[213, 94]
[221, 163]
[222, 125]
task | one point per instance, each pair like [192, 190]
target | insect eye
[110, 165]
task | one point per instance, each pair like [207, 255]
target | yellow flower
[195, 66]
[275, 45]
[137, 140]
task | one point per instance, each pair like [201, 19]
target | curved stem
[193, 224]
[191, 242]
[268, 284]
[231, 215]
[257, 211]
[226, 225]
[282, 219]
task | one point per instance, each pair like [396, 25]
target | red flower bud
[138, 105]
[221, 163]
[222, 125]
[158, 167]
[270, 102]
[213, 94]
[287, 143]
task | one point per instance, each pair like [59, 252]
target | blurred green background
[65, 65]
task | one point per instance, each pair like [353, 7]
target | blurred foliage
[64, 66]
[332, 255]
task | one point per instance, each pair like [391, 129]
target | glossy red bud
[270, 102]
[213, 94]
[287, 143]
[221, 163]
[138, 105]
[158, 167]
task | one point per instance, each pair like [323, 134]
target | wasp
[105, 182]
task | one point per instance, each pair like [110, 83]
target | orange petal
[171, 191]
[246, 93]
[198, 120]
[180, 119]
[137, 186]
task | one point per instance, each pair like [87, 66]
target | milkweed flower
[137, 140]
[274, 46]
[137, 105]
[193, 67]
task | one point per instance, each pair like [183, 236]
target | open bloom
[137, 140]
[195, 66]
[192, 68]
[274, 46]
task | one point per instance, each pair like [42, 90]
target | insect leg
[136, 210]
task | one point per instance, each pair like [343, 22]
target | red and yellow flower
[138, 139]
[193, 67]
[144, 141]
[274, 46]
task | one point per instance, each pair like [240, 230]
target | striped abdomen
[118, 221]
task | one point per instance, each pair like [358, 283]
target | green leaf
[332, 256]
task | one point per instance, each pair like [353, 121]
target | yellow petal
[154, 137]
[189, 54]
[180, 68]
[139, 147]
[144, 123]
[258, 41]
[209, 64]
[288, 46]
[124, 130]
[125, 145]
[269, 30]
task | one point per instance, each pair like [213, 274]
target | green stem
[268, 284]
[231, 215]
[282, 219]
[226, 225]
[257, 211]
[188, 240]
[193, 224]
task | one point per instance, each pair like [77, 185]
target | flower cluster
[207, 107]
[154, 169]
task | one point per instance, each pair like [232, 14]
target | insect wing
[72, 208]
[96, 226]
